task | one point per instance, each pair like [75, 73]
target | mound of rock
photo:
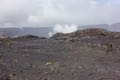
[95, 33]
[29, 37]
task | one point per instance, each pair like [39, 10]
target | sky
[44, 13]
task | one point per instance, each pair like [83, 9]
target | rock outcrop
[87, 34]
[26, 37]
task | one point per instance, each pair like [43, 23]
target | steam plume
[58, 28]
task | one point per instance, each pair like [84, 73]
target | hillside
[93, 33]
[91, 54]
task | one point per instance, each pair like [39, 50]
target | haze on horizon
[44, 13]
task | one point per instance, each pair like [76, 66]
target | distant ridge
[44, 31]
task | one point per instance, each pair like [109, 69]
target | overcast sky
[43, 13]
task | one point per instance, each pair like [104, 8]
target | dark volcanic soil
[89, 57]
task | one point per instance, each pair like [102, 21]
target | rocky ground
[92, 54]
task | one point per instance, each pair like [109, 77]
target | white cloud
[63, 29]
[51, 12]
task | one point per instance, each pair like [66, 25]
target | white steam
[58, 28]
